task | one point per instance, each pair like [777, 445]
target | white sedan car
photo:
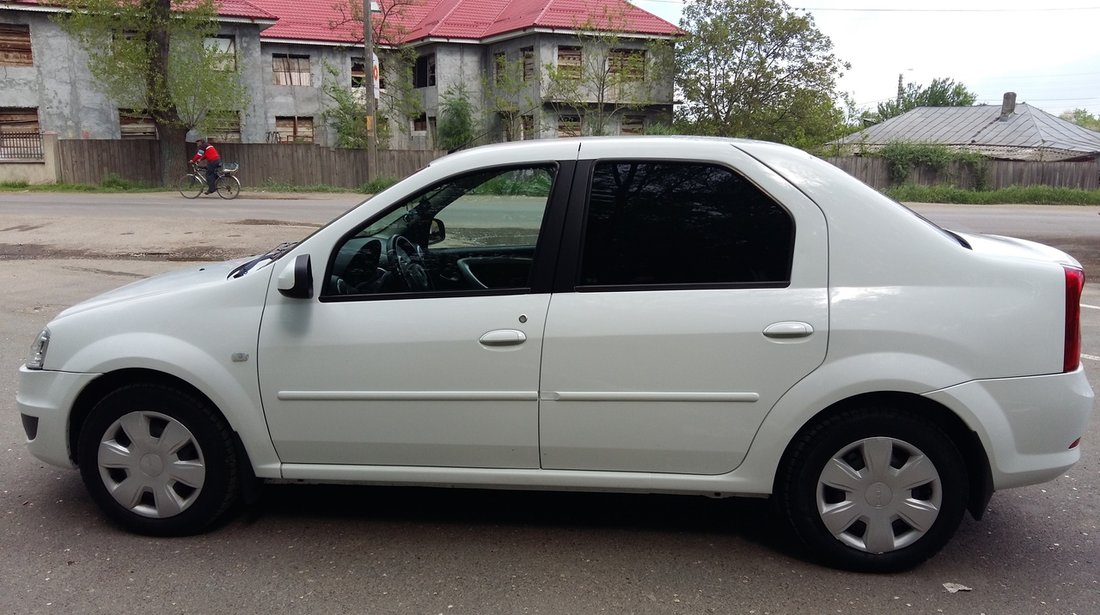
[668, 315]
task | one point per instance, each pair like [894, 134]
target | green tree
[941, 92]
[607, 74]
[158, 56]
[399, 101]
[456, 118]
[756, 68]
[1082, 118]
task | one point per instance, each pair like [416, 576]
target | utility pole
[368, 64]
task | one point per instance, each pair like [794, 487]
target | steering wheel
[361, 273]
[409, 262]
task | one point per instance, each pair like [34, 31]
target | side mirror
[296, 279]
[437, 232]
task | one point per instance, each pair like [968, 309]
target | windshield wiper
[270, 256]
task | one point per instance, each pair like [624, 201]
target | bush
[902, 158]
[377, 185]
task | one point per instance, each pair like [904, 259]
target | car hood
[165, 283]
[1018, 248]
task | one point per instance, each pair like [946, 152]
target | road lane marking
[1090, 357]
[1091, 307]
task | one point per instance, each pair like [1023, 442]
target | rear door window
[682, 224]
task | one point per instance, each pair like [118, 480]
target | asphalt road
[335, 549]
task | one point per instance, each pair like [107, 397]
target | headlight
[38, 350]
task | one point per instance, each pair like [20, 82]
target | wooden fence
[92, 161]
[875, 172]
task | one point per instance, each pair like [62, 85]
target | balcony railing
[21, 146]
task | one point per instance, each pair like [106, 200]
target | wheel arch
[965, 439]
[112, 381]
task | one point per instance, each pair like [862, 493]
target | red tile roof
[226, 8]
[412, 20]
[330, 21]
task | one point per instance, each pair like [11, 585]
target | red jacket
[206, 153]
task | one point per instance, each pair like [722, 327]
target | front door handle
[788, 330]
[503, 337]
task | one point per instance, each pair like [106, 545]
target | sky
[1047, 52]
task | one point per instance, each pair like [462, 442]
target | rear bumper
[44, 400]
[1027, 425]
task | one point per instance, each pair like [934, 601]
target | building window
[569, 62]
[500, 67]
[424, 74]
[18, 119]
[226, 49]
[136, 124]
[294, 129]
[420, 123]
[291, 69]
[15, 45]
[569, 126]
[629, 63]
[358, 72]
[633, 125]
[528, 64]
[227, 128]
[527, 127]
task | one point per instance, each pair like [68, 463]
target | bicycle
[227, 185]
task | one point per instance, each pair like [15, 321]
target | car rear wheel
[874, 489]
[158, 461]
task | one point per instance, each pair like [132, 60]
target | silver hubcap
[879, 495]
[151, 464]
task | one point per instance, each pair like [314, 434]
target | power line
[877, 10]
[922, 10]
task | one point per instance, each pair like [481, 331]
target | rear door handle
[788, 330]
[503, 337]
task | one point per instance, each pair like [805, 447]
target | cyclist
[213, 163]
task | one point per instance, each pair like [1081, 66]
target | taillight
[1075, 284]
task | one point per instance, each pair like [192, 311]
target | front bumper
[45, 401]
[1027, 425]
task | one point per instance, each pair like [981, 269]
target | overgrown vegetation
[375, 186]
[111, 183]
[456, 118]
[1033, 195]
[904, 158]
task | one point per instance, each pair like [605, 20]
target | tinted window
[682, 223]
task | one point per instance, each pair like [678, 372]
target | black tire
[228, 186]
[891, 483]
[191, 186]
[159, 461]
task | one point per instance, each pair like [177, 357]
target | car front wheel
[874, 489]
[158, 461]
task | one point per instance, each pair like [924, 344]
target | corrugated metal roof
[1029, 133]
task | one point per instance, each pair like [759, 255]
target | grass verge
[1034, 195]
